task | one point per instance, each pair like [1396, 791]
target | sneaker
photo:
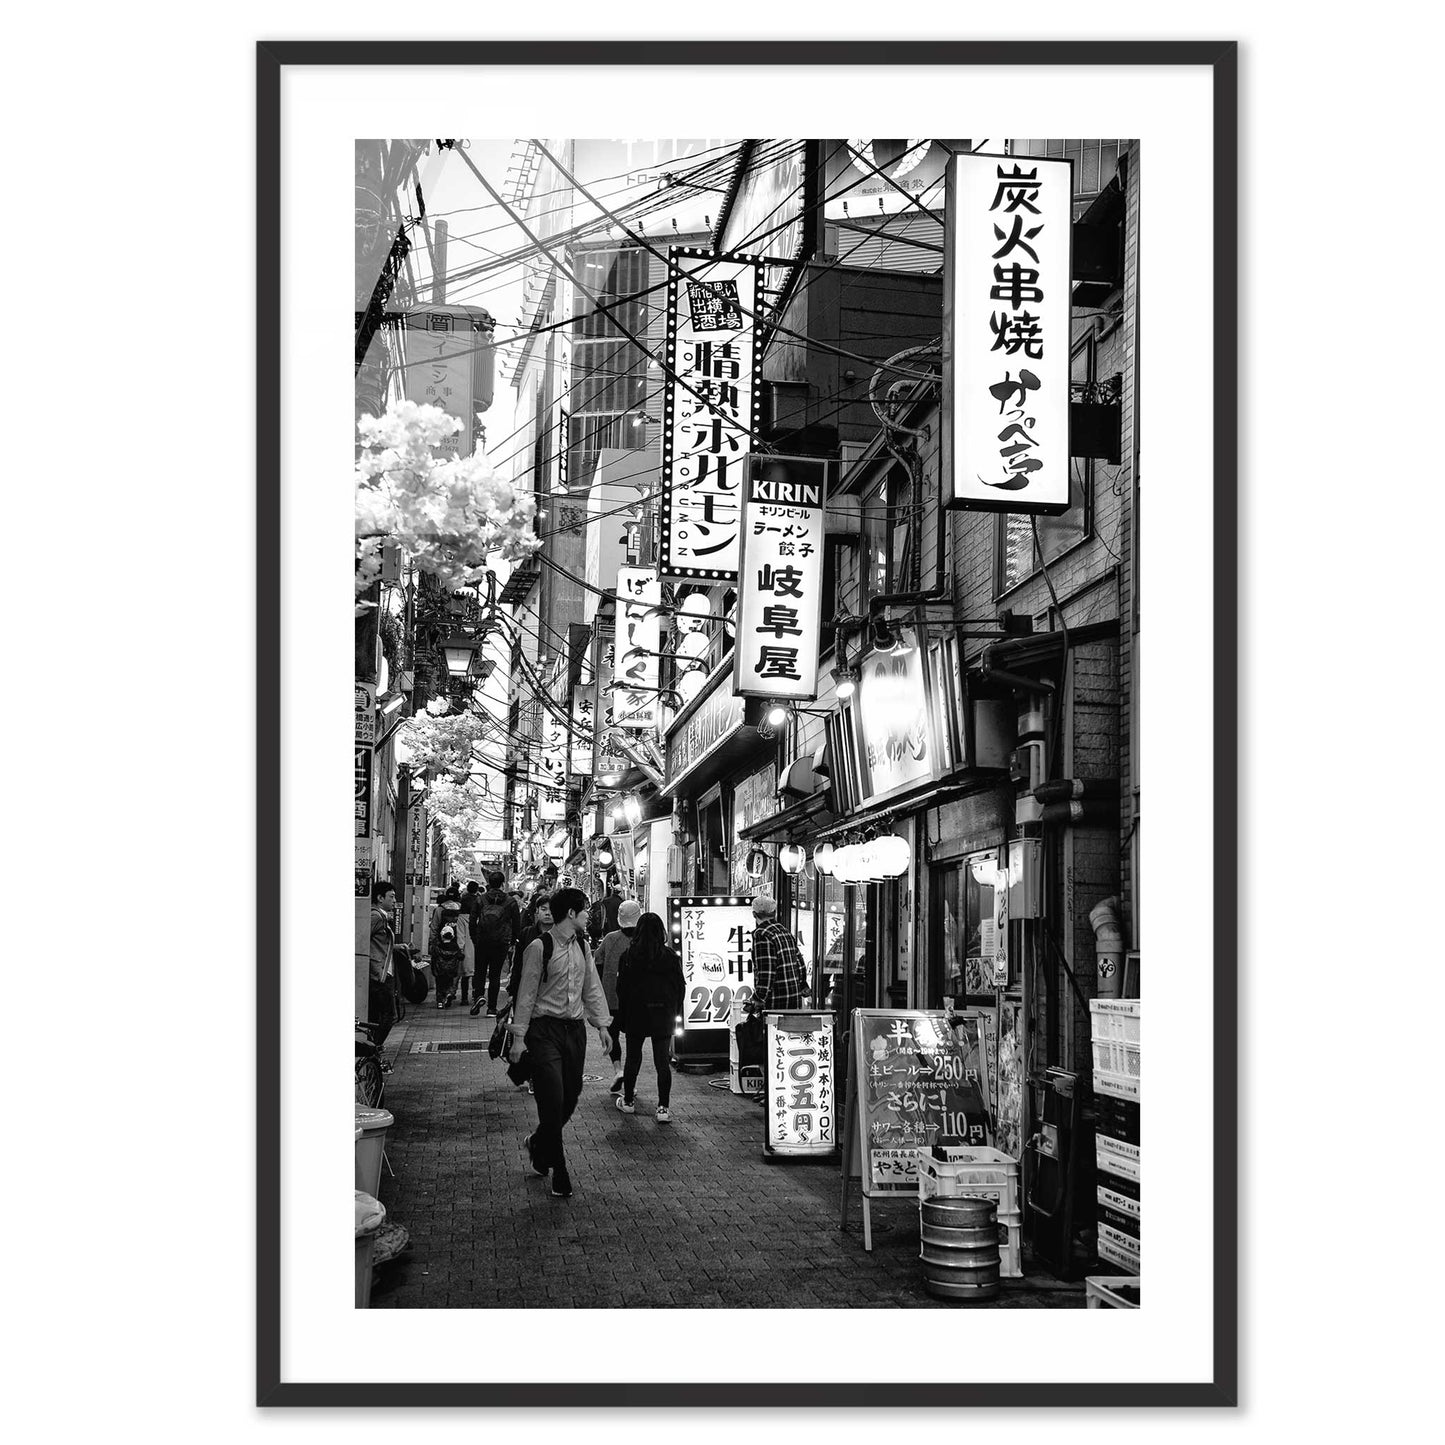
[625, 1106]
[476, 1008]
[561, 1183]
[617, 1083]
[664, 1114]
[532, 1160]
[441, 1003]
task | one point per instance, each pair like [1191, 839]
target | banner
[639, 638]
[710, 409]
[780, 586]
[714, 939]
[449, 364]
[1007, 338]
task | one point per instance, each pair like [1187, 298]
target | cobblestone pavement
[686, 1214]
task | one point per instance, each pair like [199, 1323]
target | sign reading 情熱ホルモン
[710, 402]
[780, 584]
[1007, 343]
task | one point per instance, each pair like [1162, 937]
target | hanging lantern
[757, 863]
[894, 855]
[792, 856]
[845, 864]
[823, 856]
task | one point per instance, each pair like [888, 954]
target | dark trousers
[489, 967]
[557, 1048]
[658, 1028]
[380, 1008]
[615, 1025]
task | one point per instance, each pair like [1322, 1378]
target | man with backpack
[558, 990]
[496, 926]
[447, 947]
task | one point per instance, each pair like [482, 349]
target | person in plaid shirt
[780, 977]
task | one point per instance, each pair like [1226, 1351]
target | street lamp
[459, 649]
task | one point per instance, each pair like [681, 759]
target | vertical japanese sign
[583, 713]
[780, 585]
[365, 742]
[442, 346]
[1007, 282]
[552, 763]
[800, 1092]
[714, 939]
[639, 635]
[710, 405]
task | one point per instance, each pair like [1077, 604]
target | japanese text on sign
[709, 411]
[639, 635]
[800, 1100]
[714, 939]
[781, 578]
[1009, 258]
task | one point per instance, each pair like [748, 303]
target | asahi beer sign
[781, 582]
[1007, 333]
[709, 410]
[639, 635]
[714, 939]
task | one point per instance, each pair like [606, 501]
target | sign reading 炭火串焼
[714, 939]
[1007, 340]
[780, 585]
[639, 633]
[710, 401]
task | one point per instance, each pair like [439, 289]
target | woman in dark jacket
[650, 988]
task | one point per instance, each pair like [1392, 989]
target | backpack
[449, 940]
[495, 925]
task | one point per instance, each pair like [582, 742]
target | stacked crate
[952, 1171]
[1115, 1025]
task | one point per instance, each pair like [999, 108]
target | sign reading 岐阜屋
[709, 409]
[780, 585]
[1007, 341]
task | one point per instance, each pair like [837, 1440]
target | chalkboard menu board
[916, 1084]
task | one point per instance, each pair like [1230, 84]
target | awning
[786, 825]
[926, 797]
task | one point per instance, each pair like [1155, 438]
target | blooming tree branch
[448, 517]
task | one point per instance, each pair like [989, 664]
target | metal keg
[959, 1248]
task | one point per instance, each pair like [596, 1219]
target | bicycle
[370, 1078]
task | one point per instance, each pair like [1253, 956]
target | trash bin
[372, 1125]
[370, 1214]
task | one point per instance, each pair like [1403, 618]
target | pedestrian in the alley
[650, 990]
[611, 949]
[780, 977]
[447, 949]
[559, 989]
[381, 985]
[499, 926]
[537, 922]
[604, 912]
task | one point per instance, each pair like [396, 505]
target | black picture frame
[1221, 59]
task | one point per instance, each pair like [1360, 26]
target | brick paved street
[681, 1214]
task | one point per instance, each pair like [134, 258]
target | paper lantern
[823, 858]
[792, 857]
[894, 855]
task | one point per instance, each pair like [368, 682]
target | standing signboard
[800, 1086]
[780, 583]
[639, 635]
[1007, 333]
[710, 409]
[714, 938]
[913, 1083]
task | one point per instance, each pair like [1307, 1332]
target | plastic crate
[1010, 1247]
[1113, 1018]
[1102, 1291]
[1118, 1086]
[1113, 1156]
[1114, 1056]
[1118, 1248]
[958, 1179]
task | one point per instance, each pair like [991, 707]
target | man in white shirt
[559, 987]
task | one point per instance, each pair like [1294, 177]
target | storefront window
[969, 945]
[830, 941]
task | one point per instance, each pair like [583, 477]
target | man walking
[780, 977]
[614, 944]
[380, 1000]
[558, 988]
[497, 926]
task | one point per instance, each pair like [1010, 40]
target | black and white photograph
[750, 719]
